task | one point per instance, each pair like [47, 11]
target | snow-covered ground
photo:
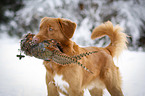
[26, 77]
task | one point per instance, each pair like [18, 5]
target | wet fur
[106, 74]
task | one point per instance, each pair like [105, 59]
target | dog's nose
[35, 39]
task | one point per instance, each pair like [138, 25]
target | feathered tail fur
[118, 39]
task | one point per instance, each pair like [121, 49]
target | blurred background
[22, 16]
[18, 17]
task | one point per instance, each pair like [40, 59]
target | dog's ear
[43, 19]
[67, 27]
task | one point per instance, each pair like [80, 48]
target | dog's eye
[50, 29]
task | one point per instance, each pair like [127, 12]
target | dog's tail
[118, 39]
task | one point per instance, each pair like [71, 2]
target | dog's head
[55, 28]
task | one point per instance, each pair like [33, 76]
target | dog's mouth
[39, 38]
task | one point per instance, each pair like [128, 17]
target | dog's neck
[68, 47]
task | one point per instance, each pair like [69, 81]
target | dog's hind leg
[96, 92]
[112, 79]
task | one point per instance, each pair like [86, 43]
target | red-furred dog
[72, 79]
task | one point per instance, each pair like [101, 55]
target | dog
[71, 80]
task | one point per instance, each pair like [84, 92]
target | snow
[26, 77]
[85, 34]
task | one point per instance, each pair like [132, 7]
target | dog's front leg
[51, 88]
[74, 77]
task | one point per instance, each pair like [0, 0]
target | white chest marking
[62, 84]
